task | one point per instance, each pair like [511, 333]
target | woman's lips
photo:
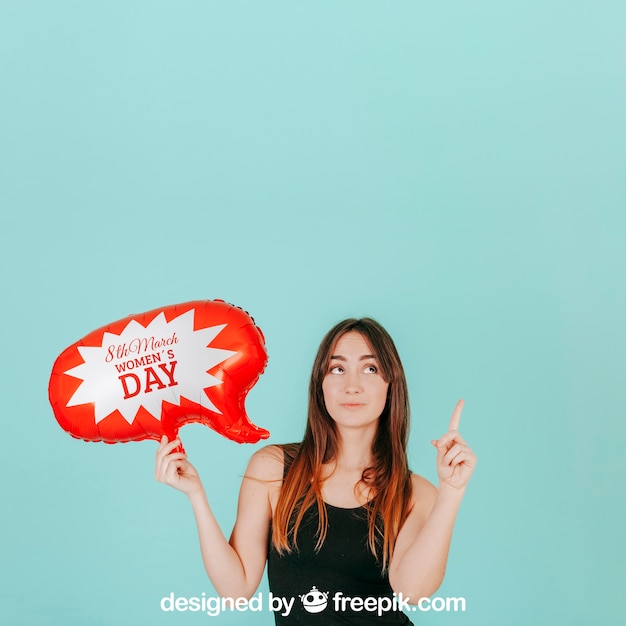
[352, 405]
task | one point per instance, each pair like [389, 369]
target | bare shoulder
[266, 464]
[421, 486]
[423, 496]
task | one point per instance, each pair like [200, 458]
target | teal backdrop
[455, 170]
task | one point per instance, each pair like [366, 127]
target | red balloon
[146, 375]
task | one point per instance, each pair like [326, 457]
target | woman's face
[354, 389]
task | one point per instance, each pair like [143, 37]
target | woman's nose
[353, 382]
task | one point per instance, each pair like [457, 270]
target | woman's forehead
[352, 343]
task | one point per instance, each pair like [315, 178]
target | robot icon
[314, 601]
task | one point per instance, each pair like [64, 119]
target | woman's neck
[342, 483]
[354, 451]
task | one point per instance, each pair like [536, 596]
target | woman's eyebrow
[338, 357]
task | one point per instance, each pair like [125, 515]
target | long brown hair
[388, 478]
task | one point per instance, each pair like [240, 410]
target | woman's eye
[337, 369]
[371, 369]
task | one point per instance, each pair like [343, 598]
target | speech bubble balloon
[146, 375]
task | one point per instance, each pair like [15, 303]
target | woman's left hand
[455, 459]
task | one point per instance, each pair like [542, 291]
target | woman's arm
[235, 568]
[419, 561]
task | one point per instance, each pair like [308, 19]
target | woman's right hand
[173, 468]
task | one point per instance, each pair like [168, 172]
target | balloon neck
[171, 434]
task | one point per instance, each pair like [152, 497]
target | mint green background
[455, 170]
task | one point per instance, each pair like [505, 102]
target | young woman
[349, 534]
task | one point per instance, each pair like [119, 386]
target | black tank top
[340, 584]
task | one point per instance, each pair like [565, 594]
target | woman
[348, 532]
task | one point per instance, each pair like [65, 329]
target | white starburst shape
[143, 366]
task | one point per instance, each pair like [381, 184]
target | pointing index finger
[455, 420]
